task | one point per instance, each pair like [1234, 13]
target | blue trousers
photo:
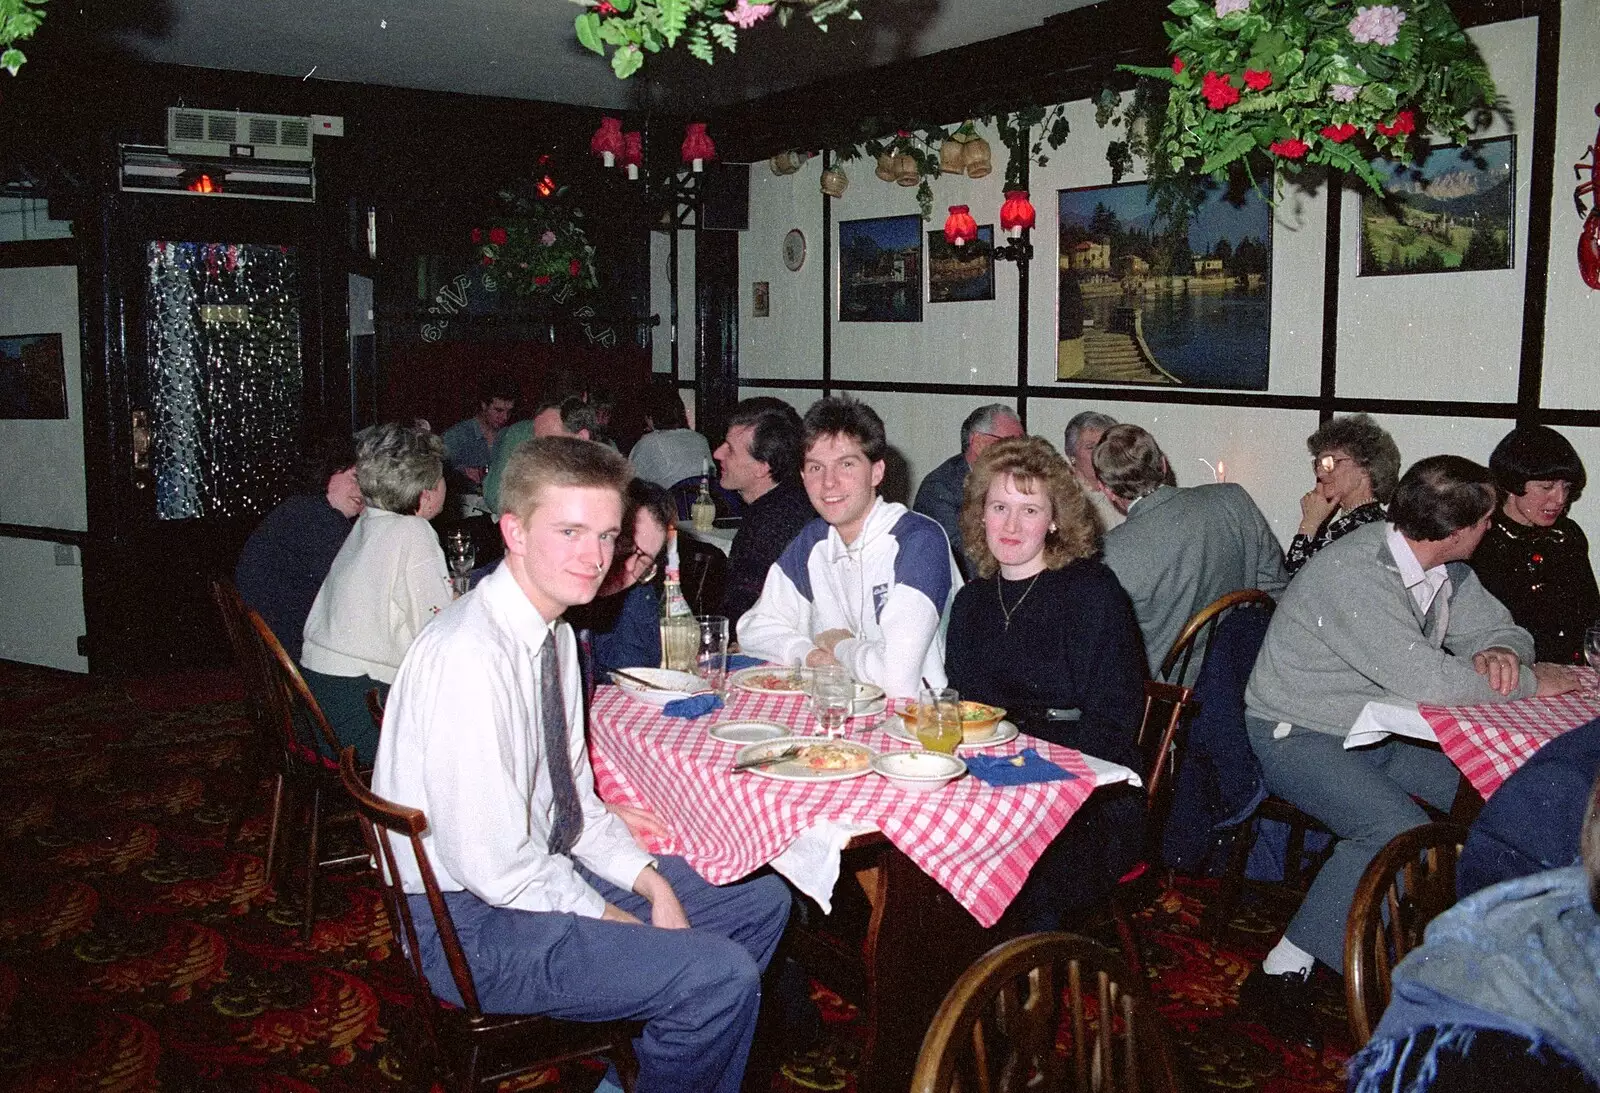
[1363, 795]
[697, 990]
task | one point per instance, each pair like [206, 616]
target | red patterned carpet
[137, 952]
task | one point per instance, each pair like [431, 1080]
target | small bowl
[870, 701]
[918, 771]
[669, 685]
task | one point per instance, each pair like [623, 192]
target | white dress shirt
[1424, 585]
[462, 741]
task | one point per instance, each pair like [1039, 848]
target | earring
[1052, 527]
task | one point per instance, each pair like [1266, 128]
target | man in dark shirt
[760, 460]
[940, 494]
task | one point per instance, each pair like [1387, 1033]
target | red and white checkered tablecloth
[977, 841]
[1489, 742]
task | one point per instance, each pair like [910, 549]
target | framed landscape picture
[1454, 211]
[880, 270]
[957, 274]
[33, 377]
[1145, 299]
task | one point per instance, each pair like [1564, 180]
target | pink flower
[542, 279]
[1227, 7]
[745, 15]
[1218, 91]
[548, 238]
[1178, 66]
[573, 267]
[1339, 133]
[497, 236]
[1380, 24]
[1257, 80]
[1343, 92]
[1289, 149]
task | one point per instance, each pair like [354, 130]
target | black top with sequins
[1543, 577]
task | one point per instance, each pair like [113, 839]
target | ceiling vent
[225, 134]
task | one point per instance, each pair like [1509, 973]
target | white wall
[42, 484]
[1444, 337]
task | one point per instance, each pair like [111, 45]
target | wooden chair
[1202, 625]
[478, 1050]
[1405, 887]
[259, 699]
[1001, 1028]
[375, 706]
[309, 774]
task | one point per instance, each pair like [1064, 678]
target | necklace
[1005, 612]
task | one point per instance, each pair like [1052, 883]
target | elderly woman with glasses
[388, 581]
[1357, 465]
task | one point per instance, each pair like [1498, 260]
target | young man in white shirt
[865, 584]
[549, 894]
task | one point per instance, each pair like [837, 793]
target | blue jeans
[1363, 795]
[697, 990]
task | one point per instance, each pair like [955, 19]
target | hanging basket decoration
[1328, 82]
[631, 29]
[540, 248]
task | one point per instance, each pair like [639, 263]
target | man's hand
[821, 658]
[1501, 666]
[642, 825]
[1555, 679]
[665, 910]
[828, 640]
[613, 913]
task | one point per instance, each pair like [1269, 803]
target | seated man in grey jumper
[1391, 612]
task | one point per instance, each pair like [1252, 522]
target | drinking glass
[460, 553]
[680, 643]
[711, 664]
[1591, 645]
[939, 719]
[833, 693]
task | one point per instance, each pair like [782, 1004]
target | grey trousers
[1363, 795]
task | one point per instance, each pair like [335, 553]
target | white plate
[897, 728]
[796, 770]
[870, 701]
[758, 680]
[747, 732]
[675, 685]
[919, 771]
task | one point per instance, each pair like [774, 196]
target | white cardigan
[387, 583]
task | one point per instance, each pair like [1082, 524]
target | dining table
[1487, 741]
[937, 868]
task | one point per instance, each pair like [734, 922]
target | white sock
[1285, 957]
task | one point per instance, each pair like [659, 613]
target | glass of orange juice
[938, 722]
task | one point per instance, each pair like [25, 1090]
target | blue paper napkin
[1002, 770]
[697, 706]
[738, 661]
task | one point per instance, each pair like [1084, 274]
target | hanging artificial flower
[539, 247]
[631, 31]
[745, 15]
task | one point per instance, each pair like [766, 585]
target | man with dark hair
[939, 495]
[670, 452]
[1389, 613]
[865, 584]
[469, 444]
[550, 896]
[760, 461]
[556, 415]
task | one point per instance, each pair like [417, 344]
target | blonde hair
[1034, 467]
[558, 461]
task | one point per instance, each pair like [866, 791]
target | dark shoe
[1282, 1003]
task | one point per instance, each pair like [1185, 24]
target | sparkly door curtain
[225, 379]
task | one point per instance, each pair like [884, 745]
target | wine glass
[460, 553]
[1591, 645]
[833, 694]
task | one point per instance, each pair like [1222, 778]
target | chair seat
[504, 1040]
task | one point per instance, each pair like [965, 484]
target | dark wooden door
[203, 370]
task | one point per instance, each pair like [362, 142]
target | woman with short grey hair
[1357, 465]
[387, 582]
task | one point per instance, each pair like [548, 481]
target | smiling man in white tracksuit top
[865, 585]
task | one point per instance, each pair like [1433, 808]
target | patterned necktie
[568, 823]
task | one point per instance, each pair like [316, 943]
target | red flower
[1404, 122]
[1339, 133]
[497, 236]
[1218, 91]
[1178, 66]
[573, 267]
[604, 7]
[477, 235]
[1292, 148]
[1257, 81]
[542, 279]
[488, 259]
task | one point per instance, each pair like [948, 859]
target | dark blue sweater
[285, 561]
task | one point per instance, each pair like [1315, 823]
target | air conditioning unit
[226, 134]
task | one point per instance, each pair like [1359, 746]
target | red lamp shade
[632, 152]
[959, 228]
[697, 146]
[1017, 212]
[607, 141]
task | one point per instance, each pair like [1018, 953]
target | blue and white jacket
[890, 588]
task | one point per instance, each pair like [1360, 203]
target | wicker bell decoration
[975, 159]
[834, 182]
[885, 169]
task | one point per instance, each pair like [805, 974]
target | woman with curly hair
[1047, 632]
[1357, 465]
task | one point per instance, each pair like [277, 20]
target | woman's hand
[1314, 509]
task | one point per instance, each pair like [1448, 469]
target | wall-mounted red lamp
[697, 146]
[959, 227]
[607, 141]
[1017, 213]
[632, 152]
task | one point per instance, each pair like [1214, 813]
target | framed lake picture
[1143, 299]
[880, 270]
[1454, 211]
[33, 376]
[961, 273]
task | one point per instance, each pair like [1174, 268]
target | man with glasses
[939, 496]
